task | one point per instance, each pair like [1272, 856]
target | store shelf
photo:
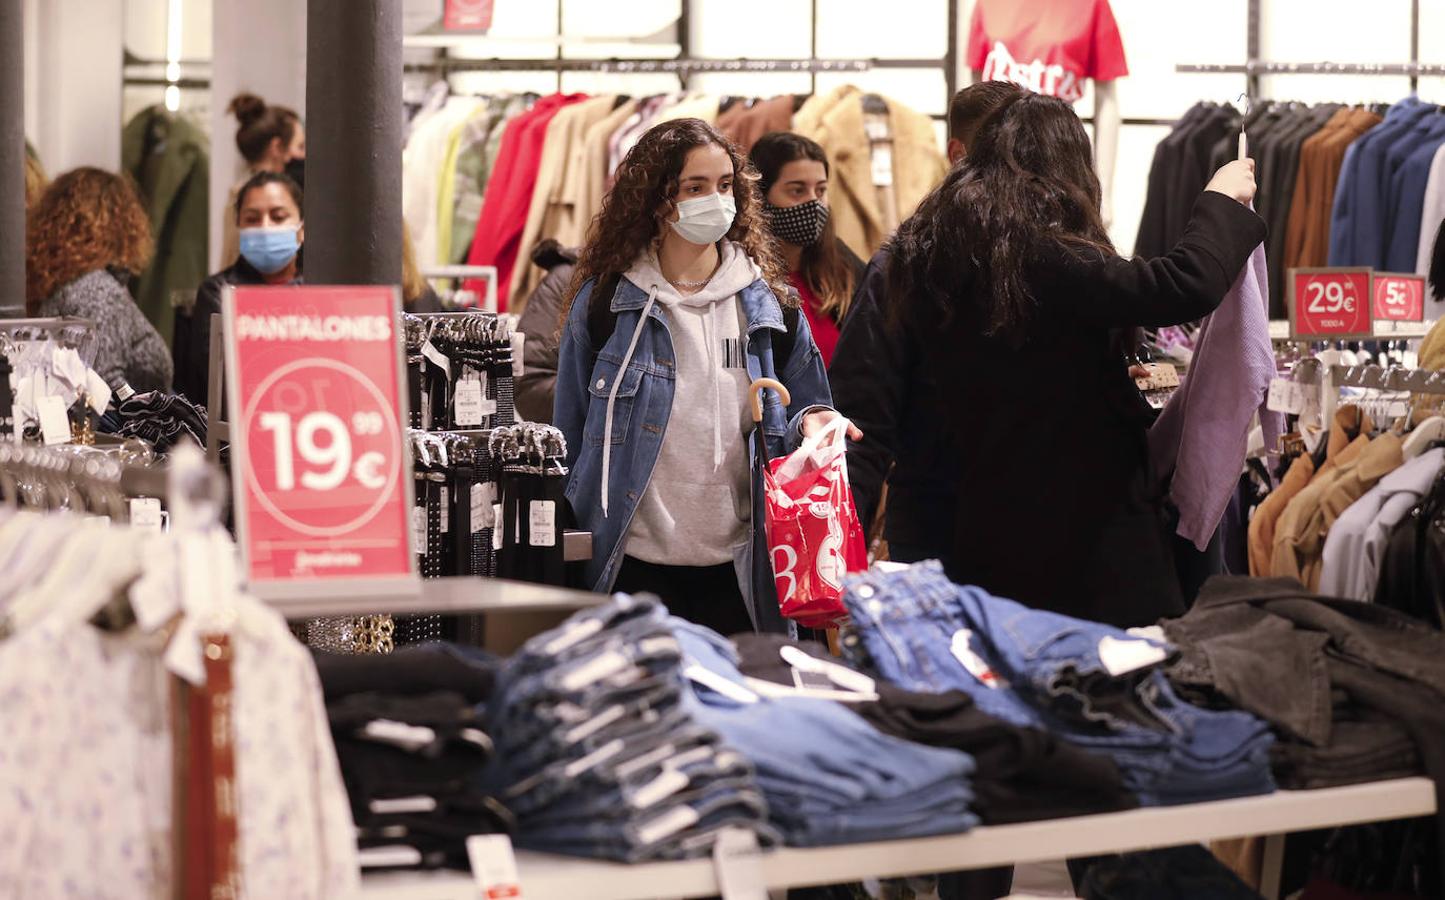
[437, 595]
[548, 877]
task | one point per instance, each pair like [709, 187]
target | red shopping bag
[814, 536]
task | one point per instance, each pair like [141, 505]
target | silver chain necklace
[689, 284]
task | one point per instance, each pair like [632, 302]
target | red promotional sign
[467, 15]
[1398, 297]
[1329, 304]
[322, 486]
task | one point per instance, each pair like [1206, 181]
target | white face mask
[704, 220]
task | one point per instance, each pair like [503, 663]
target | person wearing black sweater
[980, 361]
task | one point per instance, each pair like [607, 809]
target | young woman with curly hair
[86, 237]
[680, 303]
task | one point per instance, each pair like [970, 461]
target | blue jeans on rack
[1091, 684]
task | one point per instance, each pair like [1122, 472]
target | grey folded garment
[1358, 752]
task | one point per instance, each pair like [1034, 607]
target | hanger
[1425, 434]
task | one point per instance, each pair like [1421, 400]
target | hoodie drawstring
[612, 396]
[710, 332]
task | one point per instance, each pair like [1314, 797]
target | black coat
[191, 344]
[1029, 475]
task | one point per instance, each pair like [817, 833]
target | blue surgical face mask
[269, 250]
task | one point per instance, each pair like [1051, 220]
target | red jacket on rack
[509, 193]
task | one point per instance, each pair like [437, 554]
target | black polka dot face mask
[801, 225]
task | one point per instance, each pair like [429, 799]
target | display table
[548, 877]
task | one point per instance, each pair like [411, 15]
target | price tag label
[738, 862]
[1286, 396]
[145, 513]
[1398, 297]
[483, 496]
[418, 529]
[54, 422]
[882, 165]
[1329, 304]
[323, 489]
[519, 346]
[467, 15]
[494, 866]
[542, 520]
[468, 403]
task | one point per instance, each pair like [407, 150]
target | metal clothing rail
[1260, 67]
[674, 66]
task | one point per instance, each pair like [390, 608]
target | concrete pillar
[12, 158]
[353, 141]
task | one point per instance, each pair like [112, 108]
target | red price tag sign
[1329, 304]
[322, 485]
[467, 15]
[1398, 297]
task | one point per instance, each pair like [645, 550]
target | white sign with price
[494, 866]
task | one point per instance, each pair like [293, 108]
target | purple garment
[1199, 442]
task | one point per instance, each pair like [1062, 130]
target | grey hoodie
[696, 507]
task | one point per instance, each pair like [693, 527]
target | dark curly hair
[630, 221]
[968, 251]
[87, 220]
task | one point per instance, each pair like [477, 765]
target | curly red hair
[647, 181]
[86, 220]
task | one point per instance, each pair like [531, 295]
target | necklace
[689, 284]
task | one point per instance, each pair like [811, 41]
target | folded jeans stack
[597, 755]
[1022, 775]
[1092, 685]
[829, 776]
[410, 738]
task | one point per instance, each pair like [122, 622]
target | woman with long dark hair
[681, 303]
[793, 181]
[1010, 297]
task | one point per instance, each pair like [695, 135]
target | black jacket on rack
[1029, 475]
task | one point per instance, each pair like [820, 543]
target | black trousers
[705, 595]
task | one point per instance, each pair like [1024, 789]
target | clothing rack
[680, 66]
[1260, 67]
[1254, 67]
[91, 473]
[13, 331]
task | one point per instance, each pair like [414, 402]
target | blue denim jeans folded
[1091, 684]
[855, 782]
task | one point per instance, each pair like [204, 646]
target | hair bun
[247, 108]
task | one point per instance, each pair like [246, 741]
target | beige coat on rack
[835, 120]
[554, 211]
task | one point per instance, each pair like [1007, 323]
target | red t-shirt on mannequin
[1048, 46]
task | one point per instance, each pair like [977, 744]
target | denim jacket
[585, 377]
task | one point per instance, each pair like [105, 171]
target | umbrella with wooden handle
[755, 392]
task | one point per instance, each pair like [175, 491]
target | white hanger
[1425, 434]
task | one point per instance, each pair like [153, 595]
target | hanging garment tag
[1122, 657]
[496, 526]
[882, 165]
[54, 423]
[519, 343]
[594, 670]
[720, 683]
[446, 502]
[739, 864]
[418, 530]
[468, 408]
[667, 824]
[483, 496]
[494, 866]
[1286, 396]
[97, 392]
[145, 513]
[437, 357]
[660, 788]
[974, 663]
[542, 522]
